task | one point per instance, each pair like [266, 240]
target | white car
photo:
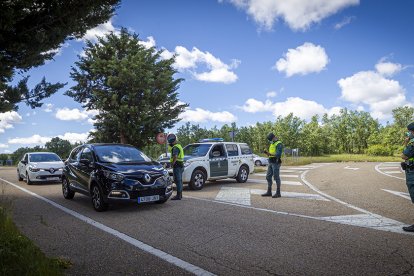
[213, 159]
[260, 161]
[40, 167]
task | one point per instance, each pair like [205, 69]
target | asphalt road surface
[332, 219]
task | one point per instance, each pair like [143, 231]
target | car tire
[243, 174]
[28, 181]
[19, 177]
[198, 179]
[66, 191]
[258, 163]
[97, 199]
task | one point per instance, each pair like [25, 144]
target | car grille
[147, 192]
[142, 180]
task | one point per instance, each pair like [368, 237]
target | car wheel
[97, 199]
[198, 178]
[258, 163]
[243, 174]
[67, 193]
[28, 181]
[19, 177]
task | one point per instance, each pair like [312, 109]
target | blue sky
[247, 61]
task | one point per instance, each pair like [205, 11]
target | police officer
[408, 156]
[177, 163]
[274, 153]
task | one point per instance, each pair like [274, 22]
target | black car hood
[135, 168]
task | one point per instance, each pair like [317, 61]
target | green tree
[132, 87]
[17, 155]
[31, 32]
[59, 146]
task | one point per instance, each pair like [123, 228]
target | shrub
[379, 150]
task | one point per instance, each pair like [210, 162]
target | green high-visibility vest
[273, 146]
[180, 156]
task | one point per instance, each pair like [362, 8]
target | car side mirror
[24, 162]
[216, 154]
[84, 162]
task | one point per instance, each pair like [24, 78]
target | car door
[75, 179]
[233, 158]
[219, 166]
[22, 165]
[85, 167]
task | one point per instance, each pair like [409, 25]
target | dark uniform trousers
[409, 176]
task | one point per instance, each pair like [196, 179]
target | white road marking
[377, 168]
[282, 175]
[234, 195]
[393, 172]
[368, 221]
[284, 182]
[288, 171]
[395, 228]
[349, 168]
[390, 167]
[138, 244]
[292, 195]
[401, 194]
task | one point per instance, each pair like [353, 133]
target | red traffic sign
[161, 138]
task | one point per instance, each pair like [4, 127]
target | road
[332, 219]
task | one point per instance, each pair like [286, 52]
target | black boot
[409, 228]
[269, 192]
[277, 194]
[178, 196]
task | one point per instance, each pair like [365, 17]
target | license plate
[54, 178]
[148, 198]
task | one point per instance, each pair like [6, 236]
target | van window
[232, 149]
[245, 149]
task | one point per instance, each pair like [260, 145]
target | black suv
[114, 172]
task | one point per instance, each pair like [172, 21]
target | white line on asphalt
[293, 195]
[284, 182]
[392, 172]
[138, 244]
[401, 194]
[378, 170]
[288, 171]
[390, 167]
[282, 175]
[350, 168]
[234, 195]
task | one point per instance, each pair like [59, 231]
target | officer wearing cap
[408, 156]
[177, 163]
[274, 153]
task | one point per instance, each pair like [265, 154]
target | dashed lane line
[138, 244]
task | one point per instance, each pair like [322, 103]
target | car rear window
[120, 154]
[245, 149]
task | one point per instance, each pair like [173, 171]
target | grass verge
[18, 254]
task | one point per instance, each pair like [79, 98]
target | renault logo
[147, 178]
[51, 170]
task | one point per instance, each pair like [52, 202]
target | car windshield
[44, 157]
[120, 154]
[196, 149]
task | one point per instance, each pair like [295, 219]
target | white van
[213, 159]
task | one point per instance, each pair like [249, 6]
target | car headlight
[114, 176]
[165, 172]
[32, 169]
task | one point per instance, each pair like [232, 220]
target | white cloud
[301, 108]
[3, 146]
[7, 120]
[36, 139]
[388, 69]
[298, 14]
[66, 114]
[149, 43]
[190, 60]
[344, 22]
[382, 95]
[200, 115]
[303, 60]
[271, 94]
[48, 107]
[99, 31]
